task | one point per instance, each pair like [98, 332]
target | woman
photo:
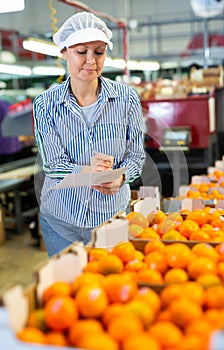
[86, 124]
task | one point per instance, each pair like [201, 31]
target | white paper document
[89, 179]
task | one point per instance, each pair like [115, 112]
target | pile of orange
[116, 308]
[205, 225]
[205, 190]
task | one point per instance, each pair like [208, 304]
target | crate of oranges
[112, 305]
[190, 227]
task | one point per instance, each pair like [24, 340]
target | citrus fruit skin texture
[61, 312]
[91, 301]
[32, 335]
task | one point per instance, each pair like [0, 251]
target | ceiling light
[118, 63]
[48, 71]
[148, 65]
[108, 62]
[41, 46]
[132, 65]
[15, 69]
[11, 6]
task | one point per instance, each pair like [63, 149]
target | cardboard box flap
[110, 233]
[183, 189]
[219, 164]
[148, 191]
[198, 179]
[146, 205]
[16, 304]
[64, 267]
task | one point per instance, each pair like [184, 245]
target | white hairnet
[80, 28]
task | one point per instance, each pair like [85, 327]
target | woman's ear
[63, 53]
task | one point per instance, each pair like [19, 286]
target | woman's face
[85, 61]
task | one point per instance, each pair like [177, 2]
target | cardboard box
[17, 303]
[111, 232]
[174, 205]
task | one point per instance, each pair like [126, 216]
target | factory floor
[19, 256]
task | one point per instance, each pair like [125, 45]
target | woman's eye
[99, 53]
[81, 52]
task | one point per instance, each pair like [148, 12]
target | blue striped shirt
[66, 144]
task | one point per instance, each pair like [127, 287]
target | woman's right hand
[100, 162]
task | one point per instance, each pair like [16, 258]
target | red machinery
[196, 112]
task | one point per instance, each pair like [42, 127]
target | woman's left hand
[109, 188]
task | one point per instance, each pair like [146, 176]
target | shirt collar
[107, 90]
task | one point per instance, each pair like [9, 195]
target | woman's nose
[90, 58]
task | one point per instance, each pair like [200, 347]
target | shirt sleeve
[135, 154]
[56, 164]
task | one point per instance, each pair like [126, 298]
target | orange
[102, 341]
[113, 310]
[193, 291]
[137, 218]
[150, 297]
[32, 335]
[199, 216]
[57, 338]
[217, 235]
[207, 227]
[200, 235]
[125, 251]
[187, 227]
[87, 278]
[119, 288]
[61, 312]
[36, 319]
[156, 261]
[143, 339]
[141, 309]
[139, 255]
[193, 342]
[149, 233]
[163, 315]
[173, 235]
[175, 275]
[178, 255]
[220, 250]
[217, 223]
[166, 333]
[55, 289]
[83, 327]
[149, 276]
[201, 265]
[205, 249]
[154, 245]
[170, 293]
[135, 230]
[110, 264]
[121, 328]
[215, 317]
[200, 327]
[135, 265]
[96, 253]
[183, 311]
[208, 279]
[214, 297]
[156, 217]
[91, 301]
[91, 266]
[220, 269]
